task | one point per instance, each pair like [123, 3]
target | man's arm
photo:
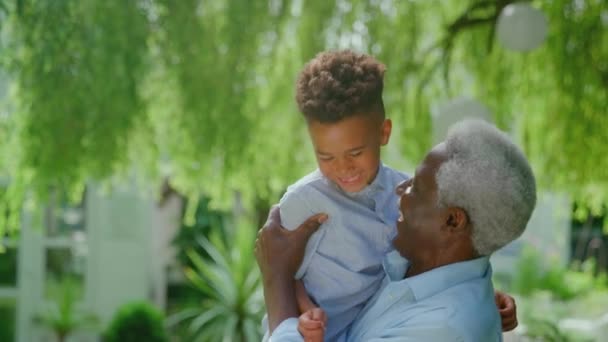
[420, 333]
[279, 253]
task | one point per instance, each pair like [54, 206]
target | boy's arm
[507, 310]
[313, 320]
[295, 208]
[304, 301]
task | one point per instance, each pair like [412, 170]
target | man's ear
[387, 126]
[457, 220]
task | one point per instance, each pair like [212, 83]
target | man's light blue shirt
[342, 265]
[449, 303]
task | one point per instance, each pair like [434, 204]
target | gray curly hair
[489, 177]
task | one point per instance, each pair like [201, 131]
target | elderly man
[472, 194]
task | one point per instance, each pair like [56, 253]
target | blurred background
[142, 143]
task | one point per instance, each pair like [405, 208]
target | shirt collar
[436, 280]
[379, 183]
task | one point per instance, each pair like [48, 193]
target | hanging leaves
[202, 92]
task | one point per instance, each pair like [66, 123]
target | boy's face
[348, 151]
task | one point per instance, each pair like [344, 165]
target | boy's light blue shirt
[342, 266]
[450, 303]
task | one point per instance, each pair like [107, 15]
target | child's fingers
[311, 330]
[317, 314]
[306, 321]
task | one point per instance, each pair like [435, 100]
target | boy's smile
[348, 151]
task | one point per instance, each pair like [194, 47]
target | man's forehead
[432, 162]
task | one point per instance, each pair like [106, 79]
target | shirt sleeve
[295, 208]
[287, 331]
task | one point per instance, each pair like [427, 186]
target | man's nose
[400, 190]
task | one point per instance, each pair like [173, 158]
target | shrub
[137, 321]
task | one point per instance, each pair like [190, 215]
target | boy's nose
[345, 165]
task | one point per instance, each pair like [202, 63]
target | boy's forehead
[342, 136]
[337, 117]
[350, 127]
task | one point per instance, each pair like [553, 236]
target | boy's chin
[352, 189]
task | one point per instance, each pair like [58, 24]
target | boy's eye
[355, 154]
[326, 158]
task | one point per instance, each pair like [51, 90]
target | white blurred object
[596, 328]
[73, 216]
[521, 27]
[455, 110]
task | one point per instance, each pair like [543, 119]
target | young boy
[340, 95]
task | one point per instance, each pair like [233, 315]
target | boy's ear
[387, 126]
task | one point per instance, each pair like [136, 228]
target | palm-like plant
[229, 282]
[62, 315]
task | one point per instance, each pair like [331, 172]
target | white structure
[120, 253]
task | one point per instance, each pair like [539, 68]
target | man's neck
[416, 268]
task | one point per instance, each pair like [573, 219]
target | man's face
[348, 151]
[420, 221]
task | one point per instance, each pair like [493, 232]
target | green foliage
[79, 79]
[540, 329]
[547, 294]
[206, 222]
[8, 266]
[546, 318]
[556, 96]
[231, 303]
[134, 322]
[563, 283]
[8, 313]
[202, 91]
[63, 316]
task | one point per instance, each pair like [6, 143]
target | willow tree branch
[469, 19]
[3, 7]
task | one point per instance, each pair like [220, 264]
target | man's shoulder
[448, 317]
[469, 307]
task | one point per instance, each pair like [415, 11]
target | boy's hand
[311, 325]
[507, 310]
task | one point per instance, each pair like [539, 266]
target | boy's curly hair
[339, 84]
